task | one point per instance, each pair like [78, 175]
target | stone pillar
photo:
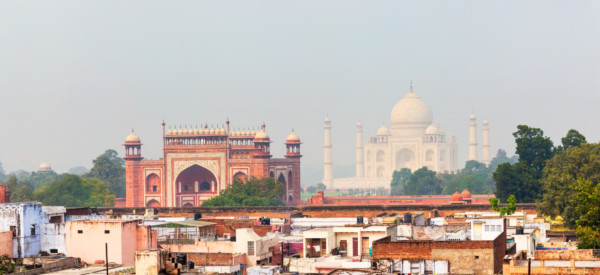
[360, 164]
[328, 155]
[472, 138]
[486, 143]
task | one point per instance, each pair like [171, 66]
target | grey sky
[76, 76]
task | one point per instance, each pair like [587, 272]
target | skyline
[75, 78]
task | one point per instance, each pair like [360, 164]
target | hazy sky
[76, 76]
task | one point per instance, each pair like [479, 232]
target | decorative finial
[411, 85]
[132, 130]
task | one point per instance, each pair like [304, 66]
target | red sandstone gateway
[197, 164]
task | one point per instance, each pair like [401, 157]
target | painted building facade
[198, 164]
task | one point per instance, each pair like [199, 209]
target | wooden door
[323, 247]
[354, 246]
[365, 246]
[343, 248]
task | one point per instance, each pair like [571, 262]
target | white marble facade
[411, 141]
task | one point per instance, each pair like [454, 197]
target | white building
[413, 141]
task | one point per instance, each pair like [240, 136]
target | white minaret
[472, 138]
[360, 164]
[328, 155]
[486, 142]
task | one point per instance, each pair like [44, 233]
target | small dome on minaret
[456, 197]
[261, 136]
[132, 138]
[292, 138]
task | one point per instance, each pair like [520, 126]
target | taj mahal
[412, 141]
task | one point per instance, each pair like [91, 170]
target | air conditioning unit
[227, 236]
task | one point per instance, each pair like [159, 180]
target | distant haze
[77, 76]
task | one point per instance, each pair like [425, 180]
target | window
[106, 231]
[250, 248]
[498, 228]
[55, 219]
[33, 230]
[487, 227]
[205, 186]
[79, 231]
[185, 187]
[14, 230]
[476, 257]
[154, 189]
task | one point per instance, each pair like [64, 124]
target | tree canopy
[74, 191]
[252, 192]
[523, 178]
[399, 181]
[423, 182]
[109, 168]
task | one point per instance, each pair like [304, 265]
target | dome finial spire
[411, 86]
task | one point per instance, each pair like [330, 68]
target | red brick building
[198, 164]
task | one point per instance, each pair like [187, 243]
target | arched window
[290, 181]
[241, 176]
[429, 155]
[153, 183]
[380, 156]
[205, 186]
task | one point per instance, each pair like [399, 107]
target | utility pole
[106, 250]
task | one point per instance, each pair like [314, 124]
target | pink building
[86, 239]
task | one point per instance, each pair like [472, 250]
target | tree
[253, 192]
[2, 173]
[472, 166]
[572, 139]
[505, 210]
[517, 179]
[19, 190]
[78, 170]
[37, 180]
[561, 179]
[321, 187]
[399, 180]
[423, 182]
[532, 147]
[109, 168]
[501, 157]
[75, 191]
[311, 189]
[587, 209]
[7, 266]
[523, 178]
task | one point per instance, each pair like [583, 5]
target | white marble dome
[432, 130]
[411, 109]
[383, 131]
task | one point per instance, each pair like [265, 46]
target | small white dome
[293, 137]
[132, 137]
[358, 124]
[485, 121]
[327, 119]
[472, 116]
[44, 167]
[170, 131]
[432, 130]
[180, 131]
[196, 132]
[222, 131]
[383, 131]
[212, 131]
[186, 131]
[261, 135]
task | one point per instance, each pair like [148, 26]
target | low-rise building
[25, 220]
[440, 256]
[87, 239]
[582, 261]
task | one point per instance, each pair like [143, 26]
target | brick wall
[229, 226]
[580, 254]
[211, 259]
